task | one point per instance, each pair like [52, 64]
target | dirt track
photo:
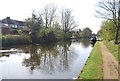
[110, 65]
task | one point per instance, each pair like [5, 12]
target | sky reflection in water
[63, 60]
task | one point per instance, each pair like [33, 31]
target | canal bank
[93, 66]
[102, 62]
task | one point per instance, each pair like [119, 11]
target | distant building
[4, 29]
[10, 26]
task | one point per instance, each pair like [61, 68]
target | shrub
[8, 40]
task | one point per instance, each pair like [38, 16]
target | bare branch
[67, 20]
[107, 9]
[49, 14]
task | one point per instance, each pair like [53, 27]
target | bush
[8, 40]
[53, 34]
[107, 31]
[48, 35]
[66, 35]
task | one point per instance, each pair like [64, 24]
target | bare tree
[49, 14]
[108, 9]
[67, 20]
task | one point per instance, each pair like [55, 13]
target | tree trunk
[118, 26]
[116, 36]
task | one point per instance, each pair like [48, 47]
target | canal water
[63, 60]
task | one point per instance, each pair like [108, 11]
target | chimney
[8, 20]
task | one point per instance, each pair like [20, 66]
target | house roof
[11, 21]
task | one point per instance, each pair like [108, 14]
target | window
[13, 26]
[6, 24]
[16, 26]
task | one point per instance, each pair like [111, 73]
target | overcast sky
[83, 10]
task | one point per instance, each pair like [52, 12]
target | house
[10, 26]
[4, 29]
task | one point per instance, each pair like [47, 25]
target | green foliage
[42, 33]
[34, 23]
[53, 34]
[67, 35]
[8, 40]
[87, 32]
[107, 31]
[58, 33]
[81, 34]
[47, 34]
[119, 36]
[20, 32]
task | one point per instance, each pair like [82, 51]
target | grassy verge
[93, 66]
[112, 48]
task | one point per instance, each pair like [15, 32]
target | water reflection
[49, 58]
[85, 42]
[54, 59]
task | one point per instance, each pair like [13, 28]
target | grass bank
[9, 40]
[93, 66]
[112, 48]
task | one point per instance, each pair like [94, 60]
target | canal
[63, 60]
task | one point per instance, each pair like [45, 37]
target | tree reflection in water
[49, 58]
[84, 41]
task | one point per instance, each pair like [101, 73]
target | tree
[87, 32]
[67, 20]
[34, 23]
[108, 9]
[49, 12]
[107, 30]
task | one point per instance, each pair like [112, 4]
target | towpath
[110, 64]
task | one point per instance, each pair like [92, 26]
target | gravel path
[110, 65]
